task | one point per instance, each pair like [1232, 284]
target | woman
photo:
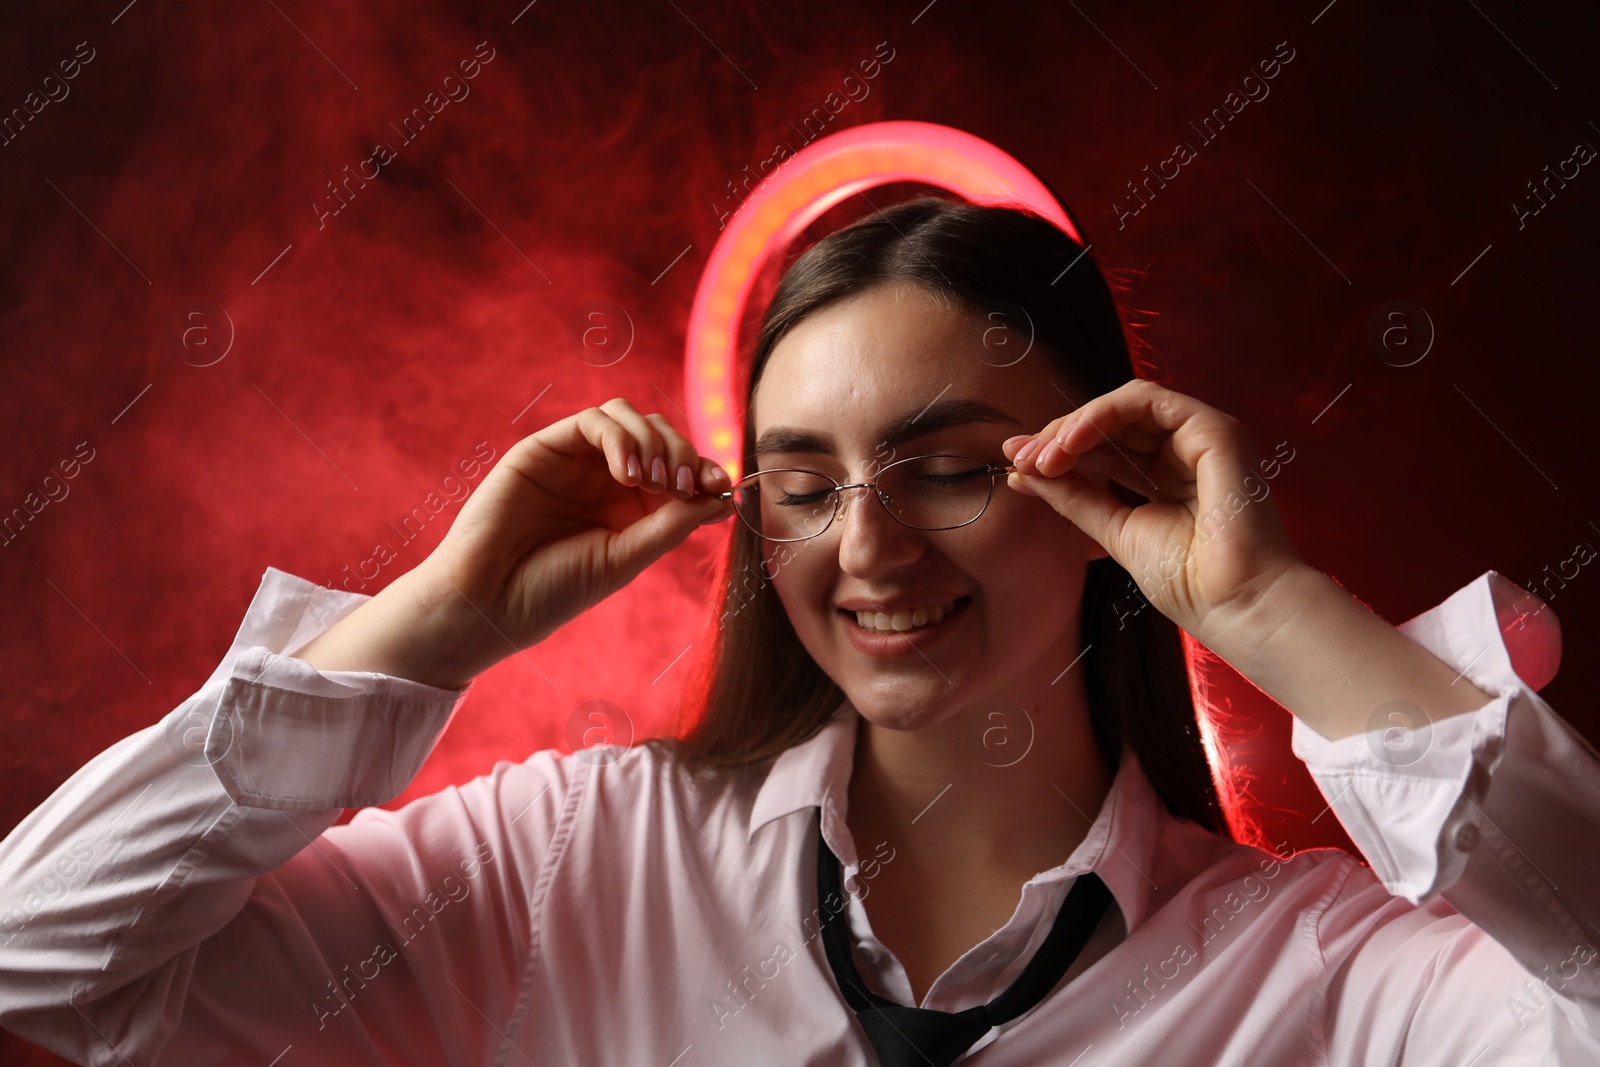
[943, 793]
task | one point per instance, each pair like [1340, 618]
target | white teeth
[900, 621]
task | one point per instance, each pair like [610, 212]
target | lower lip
[900, 642]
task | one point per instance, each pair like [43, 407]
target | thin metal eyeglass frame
[993, 469]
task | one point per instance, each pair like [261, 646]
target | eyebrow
[939, 415]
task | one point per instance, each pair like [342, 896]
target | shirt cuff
[286, 735]
[1408, 793]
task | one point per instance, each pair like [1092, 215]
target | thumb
[664, 529]
[1080, 499]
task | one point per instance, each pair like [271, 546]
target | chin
[899, 707]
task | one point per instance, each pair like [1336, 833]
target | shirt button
[1466, 836]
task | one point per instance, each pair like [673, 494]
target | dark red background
[381, 349]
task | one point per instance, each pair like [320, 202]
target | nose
[872, 541]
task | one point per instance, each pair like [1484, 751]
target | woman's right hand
[568, 516]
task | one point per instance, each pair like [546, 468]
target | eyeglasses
[922, 492]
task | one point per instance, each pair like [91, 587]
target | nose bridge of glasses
[841, 495]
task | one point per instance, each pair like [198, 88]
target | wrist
[1250, 624]
[1309, 644]
[428, 634]
[1281, 639]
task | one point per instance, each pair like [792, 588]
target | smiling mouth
[878, 622]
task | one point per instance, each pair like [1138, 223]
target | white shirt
[173, 905]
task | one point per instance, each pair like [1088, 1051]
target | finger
[1135, 438]
[712, 477]
[584, 432]
[1145, 436]
[1150, 411]
[1136, 403]
[1146, 475]
[1090, 507]
[650, 449]
[1185, 428]
[651, 537]
[681, 459]
[1050, 430]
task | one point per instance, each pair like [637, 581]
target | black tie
[917, 1037]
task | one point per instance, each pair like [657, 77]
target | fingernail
[685, 480]
[658, 472]
[1015, 483]
[1012, 442]
[721, 477]
[633, 466]
[1051, 449]
[1024, 452]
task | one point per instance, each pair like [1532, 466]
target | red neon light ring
[804, 187]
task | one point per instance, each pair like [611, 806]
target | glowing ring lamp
[804, 186]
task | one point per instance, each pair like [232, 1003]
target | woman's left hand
[1210, 539]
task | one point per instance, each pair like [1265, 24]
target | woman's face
[845, 378]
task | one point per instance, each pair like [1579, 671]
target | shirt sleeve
[1475, 942]
[185, 897]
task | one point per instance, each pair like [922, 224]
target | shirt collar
[812, 774]
[1119, 847]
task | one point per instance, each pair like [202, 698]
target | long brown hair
[757, 691]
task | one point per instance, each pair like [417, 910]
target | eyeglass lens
[926, 493]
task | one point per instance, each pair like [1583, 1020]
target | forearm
[1487, 813]
[109, 886]
[1322, 654]
[115, 884]
[401, 632]
[129, 864]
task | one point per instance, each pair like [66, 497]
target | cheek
[1030, 568]
[801, 591]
